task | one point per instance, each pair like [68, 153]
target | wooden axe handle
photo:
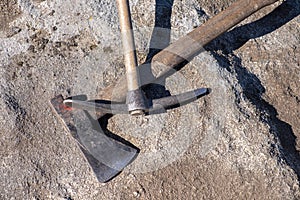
[187, 47]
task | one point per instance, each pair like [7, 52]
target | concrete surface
[239, 142]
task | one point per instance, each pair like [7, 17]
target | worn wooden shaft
[128, 45]
[187, 47]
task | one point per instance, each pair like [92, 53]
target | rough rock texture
[240, 142]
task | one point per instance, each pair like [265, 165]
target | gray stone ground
[240, 142]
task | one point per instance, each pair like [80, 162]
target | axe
[107, 156]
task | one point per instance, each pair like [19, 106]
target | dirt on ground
[239, 142]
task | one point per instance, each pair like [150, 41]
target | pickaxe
[106, 156]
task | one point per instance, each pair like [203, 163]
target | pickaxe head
[152, 106]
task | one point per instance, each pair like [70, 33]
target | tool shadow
[250, 83]
[252, 87]
[160, 39]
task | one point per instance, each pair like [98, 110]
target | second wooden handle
[187, 47]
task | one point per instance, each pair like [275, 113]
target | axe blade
[106, 156]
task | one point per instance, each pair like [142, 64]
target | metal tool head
[106, 156]
[153, 106]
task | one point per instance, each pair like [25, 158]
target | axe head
[106, 156]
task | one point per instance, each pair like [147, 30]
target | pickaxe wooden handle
[135, 100]
[187, 47]
[128, 44]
